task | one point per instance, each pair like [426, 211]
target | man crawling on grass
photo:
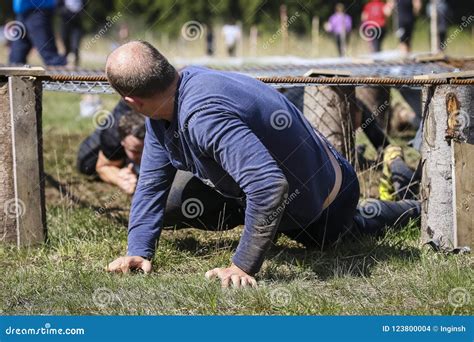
[246, 141]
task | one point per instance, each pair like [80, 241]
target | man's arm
[417, 7]
[148, 206]
[364, 15]
[111, 171]
[226, 139]
[388, 8]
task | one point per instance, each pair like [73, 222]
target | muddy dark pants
[191, 203]
[342, 218]
[336, 220]
[405, 181]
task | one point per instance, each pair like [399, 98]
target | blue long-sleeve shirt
[249, 142]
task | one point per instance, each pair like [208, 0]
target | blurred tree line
[159, 16]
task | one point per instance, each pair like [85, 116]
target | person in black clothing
[33, 28]
[114, 152]
[443, 12]
[71, 22]
[407, 10]
[209, 40]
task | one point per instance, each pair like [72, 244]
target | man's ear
[134, 102]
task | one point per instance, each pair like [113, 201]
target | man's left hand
[232, 276]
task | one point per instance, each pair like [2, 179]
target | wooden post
[284, 28]
[331, 109]
[240, 42]
[463, 193]
[434, 26]
[21, 166]
[448, 165]
[253, 40]
[315, 36]
[344, 41]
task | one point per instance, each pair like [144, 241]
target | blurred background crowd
[85, 31]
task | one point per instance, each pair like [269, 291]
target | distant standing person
[232, 35]
[71, 21]
[209, 40]
[373, 22]
[442, 13]
[123, 35]
[340, 25]
[407, 10]
[37, 18]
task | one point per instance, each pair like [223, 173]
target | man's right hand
[127, 263]
[127, 179]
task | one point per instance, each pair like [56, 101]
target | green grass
[389, 275]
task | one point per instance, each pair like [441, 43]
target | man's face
[133, 147]
[148, 107]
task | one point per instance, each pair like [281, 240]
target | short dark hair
[131, 123]
[150, 73]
